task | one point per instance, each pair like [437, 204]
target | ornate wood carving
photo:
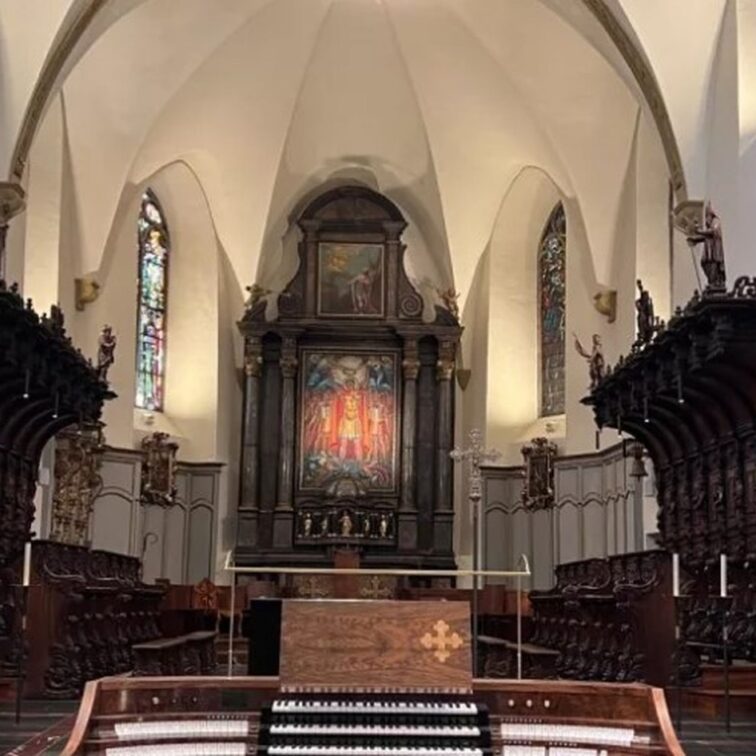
[538, 489]
[78, 456]
[158, 480]
[689, 396]
[609, 619]
[45, 385]
[86, 609]
[349, 298]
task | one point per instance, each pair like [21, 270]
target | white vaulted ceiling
[438, 103]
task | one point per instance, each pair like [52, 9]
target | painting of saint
[348, 419]
[350, 280]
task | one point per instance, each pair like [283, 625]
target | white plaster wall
[43, 211]
[25, 39]
[513, 366]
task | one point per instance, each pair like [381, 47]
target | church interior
[377, 377]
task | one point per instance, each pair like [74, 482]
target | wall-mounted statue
[712, 259]
[594, 358]
[105, 351]
[645, 318]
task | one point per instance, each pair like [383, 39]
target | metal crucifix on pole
[476, 454]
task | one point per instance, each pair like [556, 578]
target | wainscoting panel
[177, 543]
[598, 512]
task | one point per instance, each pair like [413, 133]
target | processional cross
[477, 455]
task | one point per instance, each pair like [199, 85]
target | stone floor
[44, 726]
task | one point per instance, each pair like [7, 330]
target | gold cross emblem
[441, 641]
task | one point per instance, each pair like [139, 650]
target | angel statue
[594, 358]
[712, 259]
[105, 352]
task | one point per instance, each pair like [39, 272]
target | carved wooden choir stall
[45, 385]
[348, 401]
[689, 396]
[609, 619]
[85, 610]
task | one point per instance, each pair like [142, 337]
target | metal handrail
[523, 571]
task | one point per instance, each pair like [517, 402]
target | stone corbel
[688, 216]
[12, 201]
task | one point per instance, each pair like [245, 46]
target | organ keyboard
[121, 716]
[371, 679]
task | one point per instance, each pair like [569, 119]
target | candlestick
[27, 564]
[723, 575]
[676, 575]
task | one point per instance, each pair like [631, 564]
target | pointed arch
[552, 299]
[152, 303]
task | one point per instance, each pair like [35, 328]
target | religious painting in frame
[349, 419]
[351, 280]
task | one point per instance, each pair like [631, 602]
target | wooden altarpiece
[348, 401]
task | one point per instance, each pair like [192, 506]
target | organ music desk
[370, 679]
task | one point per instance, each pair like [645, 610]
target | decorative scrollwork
[744, 288]
[158, 470]
[538, 489]
[78, 456]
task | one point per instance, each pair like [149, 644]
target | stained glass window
[154, 251]
[551, 301]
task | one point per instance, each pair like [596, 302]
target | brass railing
[522, 571]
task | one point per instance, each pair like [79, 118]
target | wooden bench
[191, 654]
[497, 657]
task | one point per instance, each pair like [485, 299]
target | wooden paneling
[597, 513]
[376, 644]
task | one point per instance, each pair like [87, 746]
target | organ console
[377, 679]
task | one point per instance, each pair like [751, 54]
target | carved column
[310, 228]
[253, 362]
[393, 232]
[411, 369]
[12, 202]
[407, 517]
[288, 364]
[445, 431]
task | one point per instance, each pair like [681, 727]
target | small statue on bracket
[646, 321]
[105, 352]
[594, 358]
[712, 259]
